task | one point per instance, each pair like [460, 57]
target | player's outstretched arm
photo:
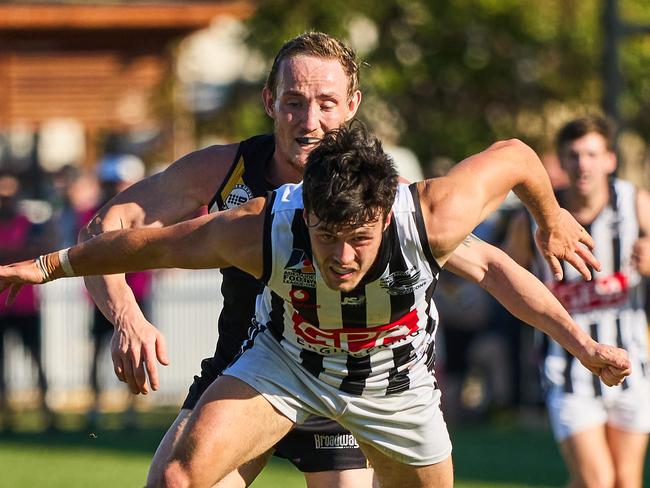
[528, 299]
[231, 238]
[162, 199]
[454, 204]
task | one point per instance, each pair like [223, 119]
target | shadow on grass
[484, 455]
[108, 435]
[507, 455]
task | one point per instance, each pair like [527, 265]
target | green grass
[484, 456]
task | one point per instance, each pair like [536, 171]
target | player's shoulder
[201, 171]
[404, 198]
[209, 158]
[620, 183]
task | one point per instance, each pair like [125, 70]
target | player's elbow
[87, 231]
[515, 147]
[514, 143]
[494, 268]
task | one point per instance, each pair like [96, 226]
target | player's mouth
[341, 273]
[307, 141]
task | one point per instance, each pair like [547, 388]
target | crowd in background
[73, 194]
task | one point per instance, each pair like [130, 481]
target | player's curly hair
[320, 45]
[349, 180]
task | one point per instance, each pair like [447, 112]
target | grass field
[485, 457]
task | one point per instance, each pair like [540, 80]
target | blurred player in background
[602, 432]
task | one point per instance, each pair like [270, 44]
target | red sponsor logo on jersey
[601, 292]
[298, 295]
[356, 339]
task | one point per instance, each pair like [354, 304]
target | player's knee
[599, 478]
[629, 478]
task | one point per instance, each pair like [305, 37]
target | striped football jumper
[610, 307]
[374, 340]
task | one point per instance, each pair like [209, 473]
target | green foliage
[448, 77]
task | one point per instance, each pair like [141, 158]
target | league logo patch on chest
[239, 195]
[299, 270]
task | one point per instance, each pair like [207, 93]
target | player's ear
[388, 220]
[611, 162]
[353, 104]
[269, 102]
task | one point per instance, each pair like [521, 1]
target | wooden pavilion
[98, 63]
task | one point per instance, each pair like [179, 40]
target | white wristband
[65, 262]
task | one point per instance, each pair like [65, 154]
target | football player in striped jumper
[602, 432]
[346, 325]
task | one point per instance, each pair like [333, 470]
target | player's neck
[585, 208]
[281, 172]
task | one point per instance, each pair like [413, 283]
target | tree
[447, 77]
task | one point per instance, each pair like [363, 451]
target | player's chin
[298, 159]
[343, 285]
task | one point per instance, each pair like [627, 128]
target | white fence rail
[184, 306]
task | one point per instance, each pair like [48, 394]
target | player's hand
[610, 363]
[567, 240]
[641, 256]
[14, 276]
[136, 347]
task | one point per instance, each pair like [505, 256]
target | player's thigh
[588, 457]
[239, 478]
[628, 451]
[232, 424]
[393, 474]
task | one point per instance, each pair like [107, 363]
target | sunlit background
[104, 93]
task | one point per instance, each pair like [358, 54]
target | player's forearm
[532, 302]
[192, 244]
[110, 253]
[113, 296]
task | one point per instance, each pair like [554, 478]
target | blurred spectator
[116, 172]
[80, 197]
[20, 239]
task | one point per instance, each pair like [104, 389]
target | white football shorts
[408, 426]
[628, 410]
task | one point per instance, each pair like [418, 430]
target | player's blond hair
[320, 45]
